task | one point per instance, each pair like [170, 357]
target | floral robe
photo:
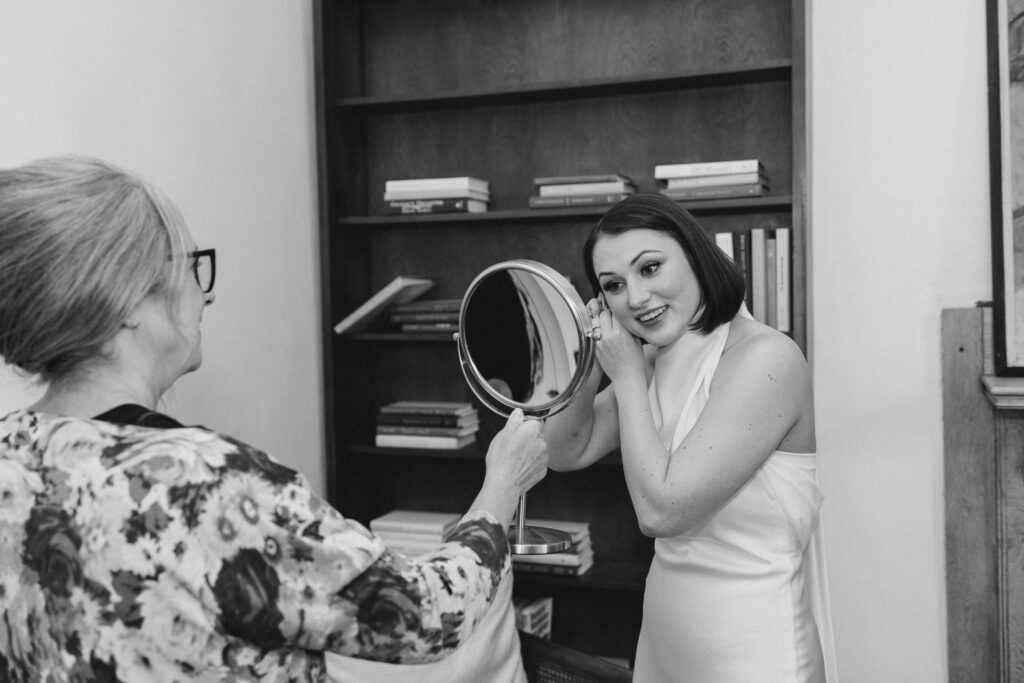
[136, 554]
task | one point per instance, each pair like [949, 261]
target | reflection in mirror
[523, 339]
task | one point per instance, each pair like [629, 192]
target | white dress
[742, 597]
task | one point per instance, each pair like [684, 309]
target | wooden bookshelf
[508, 91]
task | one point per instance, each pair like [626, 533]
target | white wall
[212, 101]
[899, 169]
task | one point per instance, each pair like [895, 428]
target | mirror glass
[523, 342]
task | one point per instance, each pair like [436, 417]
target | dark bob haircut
[722, 284]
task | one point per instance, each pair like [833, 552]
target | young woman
[133, 548]
[714, 417]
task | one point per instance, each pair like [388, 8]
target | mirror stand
[535, 540]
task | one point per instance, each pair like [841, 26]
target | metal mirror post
[524, 343]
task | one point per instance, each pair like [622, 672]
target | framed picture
[1006, 158]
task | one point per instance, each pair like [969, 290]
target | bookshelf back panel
[415, 47]
[510, 146]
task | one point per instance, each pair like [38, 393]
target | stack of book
[461, 194]
[765, 255]
[572, 562]
[534, 616]
[712, 180]
[414, 532]
[580, 190]
[445, 425]
[427, 315]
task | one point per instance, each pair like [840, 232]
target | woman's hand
[518, 454]
[618, 351]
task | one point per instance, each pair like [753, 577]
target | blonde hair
[82, 242]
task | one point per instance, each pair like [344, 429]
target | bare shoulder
[754, 349]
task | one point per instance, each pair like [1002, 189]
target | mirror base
[537, 540]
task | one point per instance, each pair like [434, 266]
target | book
[664, 171]
[538, 202]
[724, 241]
[438, 205]
[424, 316]
[402, 288]
[406, 521]
[608, 186]
[770, 288]
[716, 192]
[555, 569]
[576, 530]
[426, 430]
[783, 280]
[456, 183]
[428, 305]
[420, 420]
[705, 180]
[573, 559]
[408, 538]
[534, 616]
[419, 441]
[575, 179]
[758, 275]
[741, 254]
[429, 407]
[398, 195]
[431, 328]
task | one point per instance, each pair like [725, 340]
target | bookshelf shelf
[525, 216]
[509, 91]
[762, 72]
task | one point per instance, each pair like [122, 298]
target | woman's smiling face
[648, 284]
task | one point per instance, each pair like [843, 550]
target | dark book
[575, 179]
[716, 192]
[424, 316]
[430, 407]
[553, 569]
[418, 419]
[428, 430]
[428, 306]
[741, 254]
[439, 205]
[604, 198]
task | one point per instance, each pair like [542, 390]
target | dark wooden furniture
[508, 91]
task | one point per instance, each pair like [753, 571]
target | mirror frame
[499, 403]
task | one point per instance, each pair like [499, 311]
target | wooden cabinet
[508, 91]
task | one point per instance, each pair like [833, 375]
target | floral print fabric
[138, 554]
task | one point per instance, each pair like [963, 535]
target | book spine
[758, 276]
[398, 195]
[537, 202]
[429, 306]
[441, 205]
[419, 530]
[455, 183]
[664, 171]
[771, 285]
[427, 442]
[428, 409]
[584, 188]
[784, 279]
[724, 242]
[425, 317]
[555, 569]
[426, 431]
[425, 420]
[716, 192]
[705, 180]
[430, 327]
[741, 252]
[565, 558]
[576, 179]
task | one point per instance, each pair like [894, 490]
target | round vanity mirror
[525, 342]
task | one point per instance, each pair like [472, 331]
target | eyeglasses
[204, 268]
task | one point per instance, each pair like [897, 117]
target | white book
[783, 279]
[399, 290]
[450, 183]
[421, 441]
[758, 274]
[416, 521]
[664, 171]
[771, 292]
[706, 180]
[724, 242]
[561, 559]
[566, 189]
[397, 195]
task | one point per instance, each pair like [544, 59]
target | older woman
[134, 548]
